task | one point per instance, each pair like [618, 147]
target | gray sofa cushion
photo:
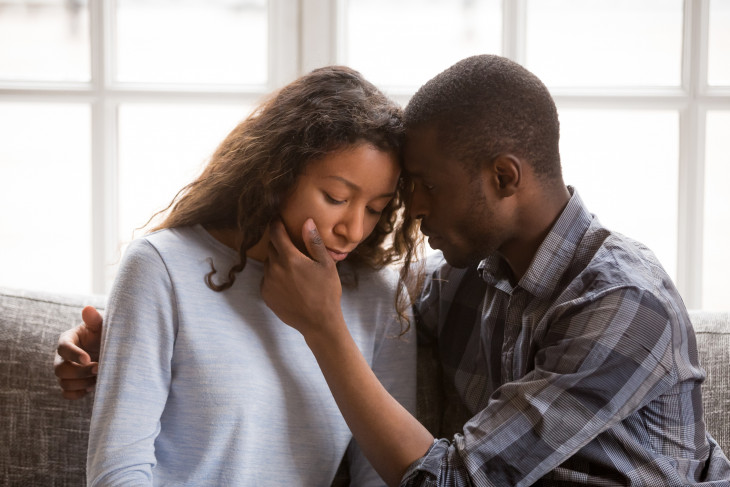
[713, 344]
[43, 437]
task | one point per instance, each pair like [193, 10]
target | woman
[198, 384]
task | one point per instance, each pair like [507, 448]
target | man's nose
[418, 207]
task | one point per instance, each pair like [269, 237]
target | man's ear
[506, 173]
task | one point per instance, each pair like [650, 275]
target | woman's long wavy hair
[258, 164]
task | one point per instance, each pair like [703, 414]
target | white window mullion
[514, 30]
[318, 43]
[692, 154]
[284, 34]
[98, 168]
[691, 205]
[104, 191]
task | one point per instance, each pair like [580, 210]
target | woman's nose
[352, 226]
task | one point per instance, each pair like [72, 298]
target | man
[567, 344]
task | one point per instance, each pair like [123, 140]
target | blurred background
[108, 107]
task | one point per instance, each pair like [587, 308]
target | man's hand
[77, 355]
[303, 292]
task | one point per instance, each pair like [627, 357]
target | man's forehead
[421, 147]
[411, 165]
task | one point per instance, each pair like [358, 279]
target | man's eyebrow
[355, 187]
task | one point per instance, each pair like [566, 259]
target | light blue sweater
[198, 387]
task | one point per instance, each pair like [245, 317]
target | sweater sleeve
[134, 371]
[394, 364]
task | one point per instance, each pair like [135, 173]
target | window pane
[624, 164]
[407, 42]
[602, 43]
[161, 149]
[196, 41]
[718, 71]
[45, 196]
[716, 261]
[44, 40]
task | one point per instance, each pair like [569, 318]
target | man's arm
[388, 434]
[77, 355]
[394, 365]
[598, 364]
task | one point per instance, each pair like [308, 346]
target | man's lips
[433, 240]
[337, 255]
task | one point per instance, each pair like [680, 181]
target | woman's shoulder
[185, 241]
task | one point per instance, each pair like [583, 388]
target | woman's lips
[336, 255]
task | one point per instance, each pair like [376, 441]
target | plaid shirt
[583, 373]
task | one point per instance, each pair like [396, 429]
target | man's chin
[458, 260]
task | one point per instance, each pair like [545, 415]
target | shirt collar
[552, 257]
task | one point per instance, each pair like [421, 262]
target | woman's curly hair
[257, 165]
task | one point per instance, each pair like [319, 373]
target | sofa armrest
[712, 330]
[44, 437]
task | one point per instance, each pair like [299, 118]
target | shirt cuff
[427, 466]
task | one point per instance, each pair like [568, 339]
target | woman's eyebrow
[355, 187]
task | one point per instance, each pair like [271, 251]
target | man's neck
[535, 222]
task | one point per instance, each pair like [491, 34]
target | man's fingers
[68, 349]
[92, 319]
[313, 242]
[65, 370]
[74, 394]
[71, 385]
[280, 239]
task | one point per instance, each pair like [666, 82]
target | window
[112, 106]
[643, 92]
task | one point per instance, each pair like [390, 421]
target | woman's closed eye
[333, 200]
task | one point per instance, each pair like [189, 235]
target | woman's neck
[233, 238]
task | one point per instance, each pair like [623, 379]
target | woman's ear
[506, 173]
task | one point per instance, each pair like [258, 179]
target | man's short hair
[487, 105]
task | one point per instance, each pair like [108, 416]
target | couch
[43, 436]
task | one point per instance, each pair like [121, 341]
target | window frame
[104, 95]
[305, 34]
[691, 100]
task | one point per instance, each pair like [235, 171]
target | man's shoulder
[610, 265]
[622, 261]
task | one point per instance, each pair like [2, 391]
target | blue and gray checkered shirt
[583, 373]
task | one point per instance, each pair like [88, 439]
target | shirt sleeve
[134, 371]
[394, 364]
[595, 363]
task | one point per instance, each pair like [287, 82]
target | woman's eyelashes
[334, 201]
